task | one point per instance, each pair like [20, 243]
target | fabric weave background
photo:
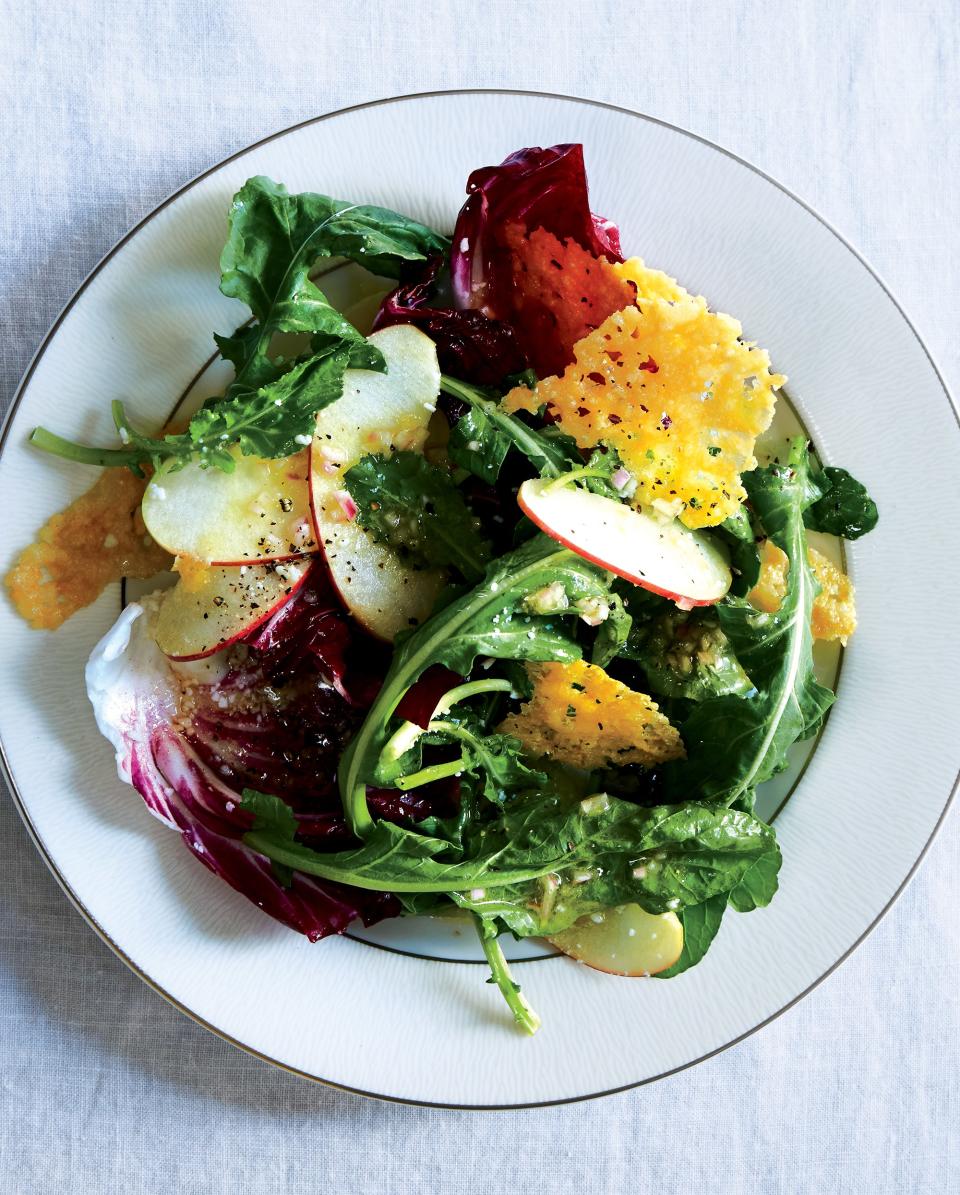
[106, 107]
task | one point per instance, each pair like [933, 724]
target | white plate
[393, 1024]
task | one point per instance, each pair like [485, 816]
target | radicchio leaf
[470, 345]
[537, 188]
[190, 738]
[532, 189]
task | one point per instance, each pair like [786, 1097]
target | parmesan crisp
[834, 608]
[578, 715]
[671, 386]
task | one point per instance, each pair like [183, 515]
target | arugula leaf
[478, 444]
[415, 507]
[275, 241]
[686, 655]
[734, 743]
[846, 509]
[614, 632]
[700, 926]
[738, 533]
[487, 621]
[493, 759]
[550, 455]
[272, 232]
[269, 813]
[663, 857]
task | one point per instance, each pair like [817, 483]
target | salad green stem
[531, 443]
[83, 454]
[417, 655]
[348, 867]
[437, 771]
[523, 1014]
[405, 737]
[566, 479]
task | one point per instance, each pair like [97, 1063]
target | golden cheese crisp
[98, 539]
[578, 715]
[834, 609]
[561, 292]
[646, 282]
[669, 385]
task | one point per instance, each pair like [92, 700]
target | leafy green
[478, 444]
[686, 655]
[489, 763]
[500, 974]
[734, 743]
[494, 759]
[549, 455]
[664, 857]
[275, 241]
[846, 509]
[274, 421]
[614, 632]
[740, 536]
[487, 621]
[416, 508]
[700, 925]
[273, 232]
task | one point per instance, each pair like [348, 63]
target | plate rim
[20, 392]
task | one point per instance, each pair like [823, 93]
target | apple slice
[259, 512]
[206, 614]
[664, 557]
[378, 413]
[626, 941]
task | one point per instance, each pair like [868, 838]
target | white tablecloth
[107, 106]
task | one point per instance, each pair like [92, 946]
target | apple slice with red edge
[624, 941]
[378, 413]
[259, 512]
[662, 556]
[202, 616]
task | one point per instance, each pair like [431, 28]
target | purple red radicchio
[274, 716]
[531, 189]
[470, 345]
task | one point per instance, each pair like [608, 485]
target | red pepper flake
[615, 419]
[598, 378]
[650, 365]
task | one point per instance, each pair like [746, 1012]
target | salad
[492, 595]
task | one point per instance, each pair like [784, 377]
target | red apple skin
[684, 603]
[254, 623]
